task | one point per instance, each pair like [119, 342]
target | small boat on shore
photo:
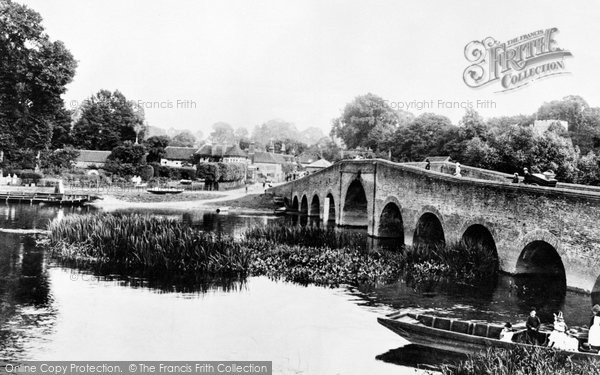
[164, 191]
[280, 211]
[464, 336]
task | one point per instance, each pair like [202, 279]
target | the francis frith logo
[514, 63]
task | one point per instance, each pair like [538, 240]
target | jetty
[47, 198]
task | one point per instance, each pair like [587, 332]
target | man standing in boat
[533, 327]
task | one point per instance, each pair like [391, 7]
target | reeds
[323, 265]
[311, 236]
[150, 245]
[465, 263]
[154, 246]
[522, 361]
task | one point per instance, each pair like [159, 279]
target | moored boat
[164, 191]
[463, 336]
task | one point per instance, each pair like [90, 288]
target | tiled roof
[235, 150]
[179, 153]
[92, 156]
[205, 150]
[269, 158]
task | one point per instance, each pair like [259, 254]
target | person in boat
[559, 339]
[515, 179]
[533, 327]
[594, 333]
[507, 333]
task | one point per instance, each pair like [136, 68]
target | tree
[61, 132]
[128, 153]
[583, 121]
[34, 72]
[365, 121]
[222, 133]
[156, 148]
[107, 120]
[274, 130]
[423, 137]
[184, 139]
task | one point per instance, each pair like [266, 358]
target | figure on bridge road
[428, 165]
[457, 170]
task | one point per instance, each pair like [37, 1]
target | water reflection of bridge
[540, 230]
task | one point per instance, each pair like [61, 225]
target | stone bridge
[532, 229]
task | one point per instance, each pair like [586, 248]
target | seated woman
[507, 333]
[559, 339]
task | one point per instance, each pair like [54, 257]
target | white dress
[559, 339]
[594, 334]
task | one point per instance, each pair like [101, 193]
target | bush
[221, 172]
[209, 172]
[146, 172]
[29, 176]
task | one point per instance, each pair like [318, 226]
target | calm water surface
[53, 312]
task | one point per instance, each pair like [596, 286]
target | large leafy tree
[583, 120]
[184, 139]
[425, 136]
[367, 121]
[156, 148]
[34, 72]
[107, 119]
[222, 133]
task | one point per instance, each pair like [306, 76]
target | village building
[91, 158]
[177, 156]
[317, 165]
[222, 153]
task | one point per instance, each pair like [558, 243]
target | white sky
[245, 62]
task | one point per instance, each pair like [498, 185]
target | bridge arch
[331, 208]
[540, 255]
[429, 229]
[295, 205]
[355, 207]
[315, 205]
[390, 223]
[304, 205]
[477, 236]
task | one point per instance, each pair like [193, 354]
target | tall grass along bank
[148, 245]
[522, 361]
[159, 247]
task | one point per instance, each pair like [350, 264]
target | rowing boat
[461, 336]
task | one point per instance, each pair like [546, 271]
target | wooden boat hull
[448, 340]
[164, 191]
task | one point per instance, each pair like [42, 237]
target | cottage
[91, 158]
[222, 153]
[177, 156]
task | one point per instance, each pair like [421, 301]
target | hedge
[221, 172]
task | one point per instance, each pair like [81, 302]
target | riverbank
[251, 200]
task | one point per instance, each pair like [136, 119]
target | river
[51, 312]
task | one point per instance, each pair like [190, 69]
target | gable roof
[236, 151]
[92, 156]
[321, 163]
[269, 158]
[179, 153]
